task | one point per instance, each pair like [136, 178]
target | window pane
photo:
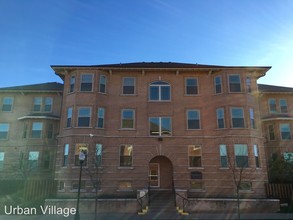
[165, 93]
[155, 126]
[86, 82]
[191, 86]
[126, 155]
[98, 155]
[194, 153]
[237, 118]
[69, 117]
[165, 126]
[241, 154]
[271, 132]
[234, 83]
[220, 117]
[37, 129]
[283, 106]
[7, 104]
[101, 115]
[84, 117]
[37, 104]
[4, 128]
[272, 105]
[102, 84]
[48, 104]
[128, 85]
[218, 84]
[285, 131]
[193, 119]
[72, 84]
[154, 93]
[127, 118]
[223, 156]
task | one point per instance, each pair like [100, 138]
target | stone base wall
[230, 205]
[104, 205]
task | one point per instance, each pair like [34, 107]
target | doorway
[160, 173]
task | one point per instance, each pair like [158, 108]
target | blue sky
[36, 34]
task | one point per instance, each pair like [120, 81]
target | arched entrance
[160, 172]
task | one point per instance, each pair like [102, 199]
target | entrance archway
[160, 172]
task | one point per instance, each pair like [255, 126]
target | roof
[48, 87]
[274, 89]
[164, 65]
[61, 70]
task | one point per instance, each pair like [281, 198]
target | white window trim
[93, 80]
[197, 86]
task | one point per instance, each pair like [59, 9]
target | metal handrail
[140, 201]
[184, 201]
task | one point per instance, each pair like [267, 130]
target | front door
[154, 175]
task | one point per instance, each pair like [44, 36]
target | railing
[185, 201]
[141, 201]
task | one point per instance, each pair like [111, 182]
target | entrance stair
[162, 206]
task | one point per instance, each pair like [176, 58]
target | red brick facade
[173, 118]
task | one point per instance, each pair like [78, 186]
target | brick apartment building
[29, 123]
[162, 125]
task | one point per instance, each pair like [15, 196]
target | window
[251, 115]
[37, 104]
[4, 129]
[40, 106]
[159, 91]
[46, 160]
[50, 131]
[79, 148]
[84, 117]
[126, 155]
[160, 126]
[283, 106]
[193, 119]
[272, 105]
[99, 149]
[191, 87]
[285, 131]
[2, 154]
[125, 186]
[196, 180]
[220, 118]
[7, 104]
[271, 132]
[234, 83]
[223, 156]
[241, 155]
[248, 84]
[61, 185]
[194, 154]
[288, 157]
[127, 118]
[48, 104]
[128, 85]
[86, 82]
[69, 117]
[237, 118]
[245, 185]
[37, 128]
[65, 155]
[256, 155]
[102, 84]
[72, 84]
[75, 185]
[24, 134]
[101, 117]
[33, 158]
[218, 84]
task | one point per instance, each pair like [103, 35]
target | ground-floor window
[196, 180]
[125, 185]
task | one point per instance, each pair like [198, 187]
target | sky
[37, 34]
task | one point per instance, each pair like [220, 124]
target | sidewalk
[114, 216]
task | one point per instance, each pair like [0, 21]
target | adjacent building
[29, 124]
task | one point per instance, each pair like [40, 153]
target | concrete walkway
[113, 216]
